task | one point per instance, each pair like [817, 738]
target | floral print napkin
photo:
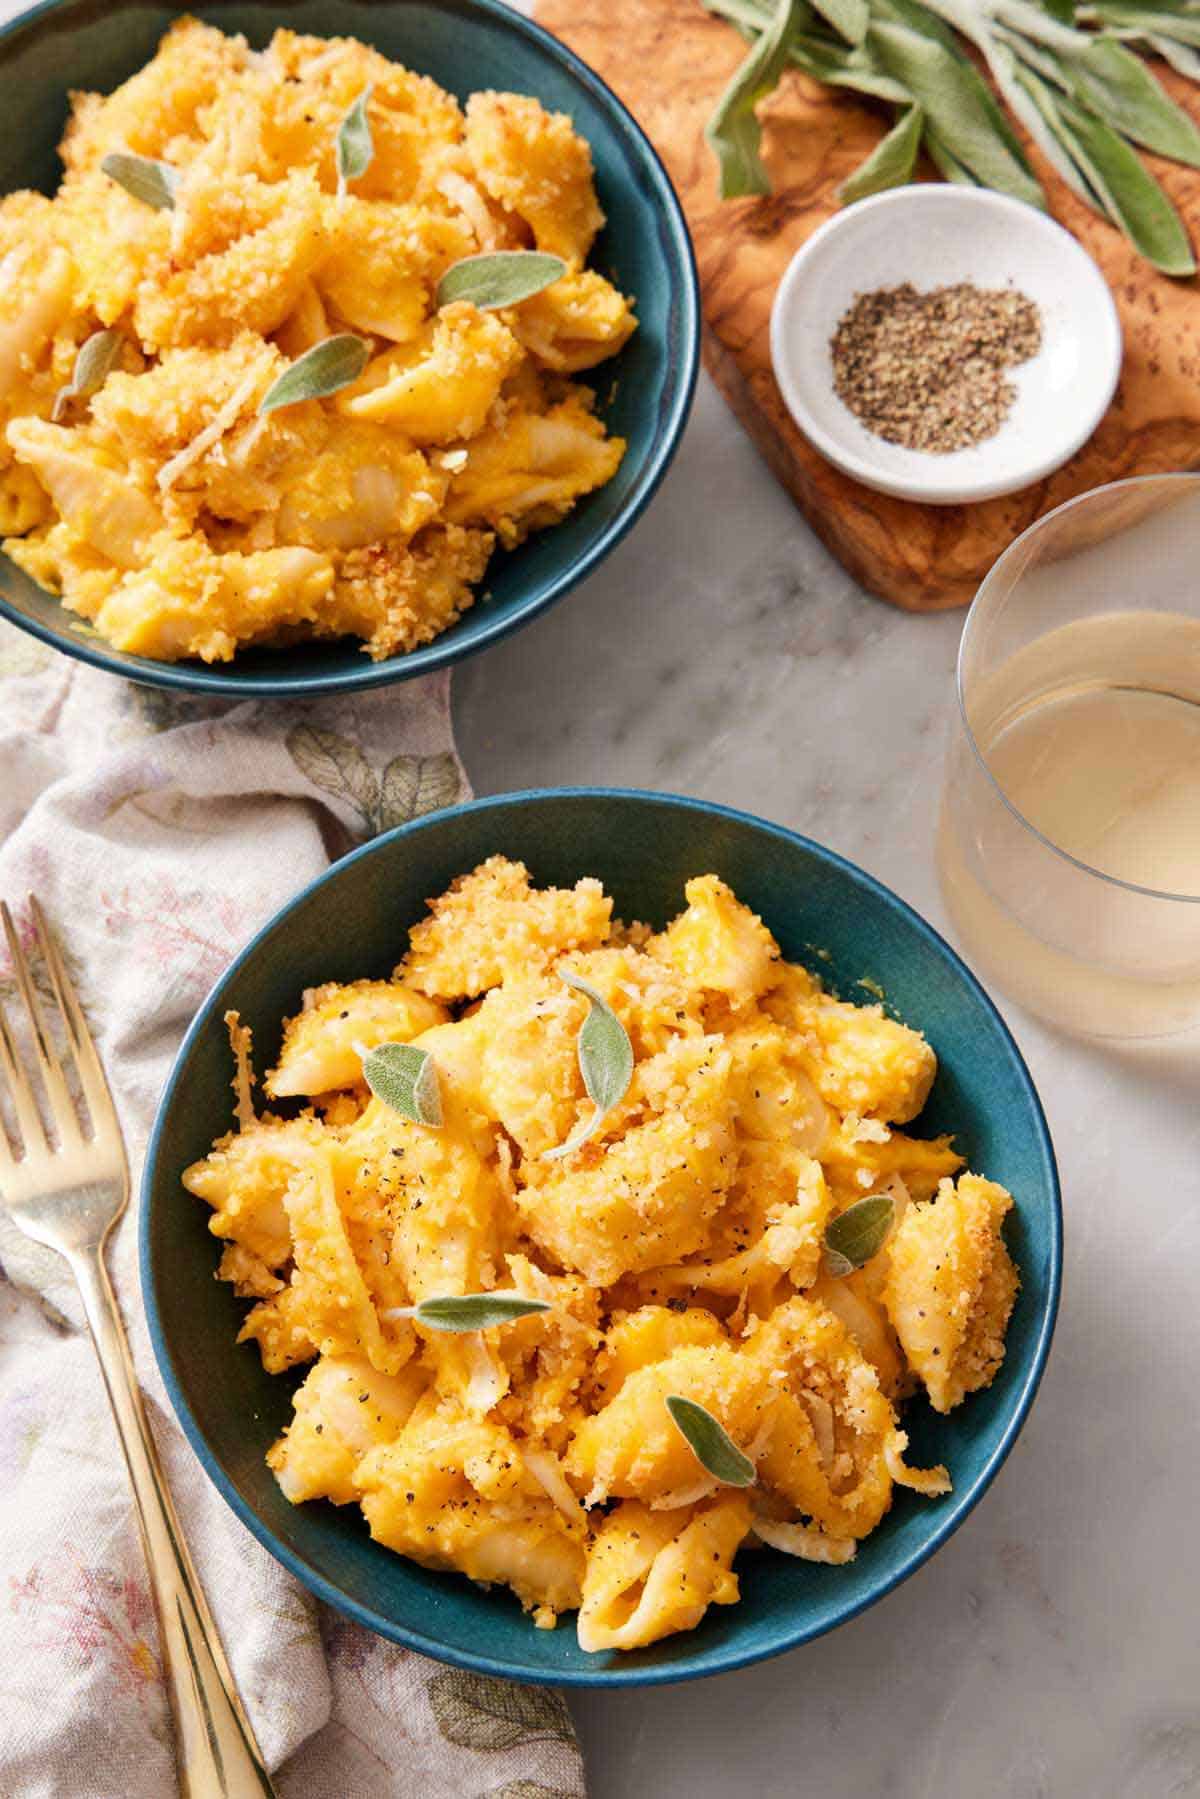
[159, 833]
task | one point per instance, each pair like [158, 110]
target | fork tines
[85, 1061]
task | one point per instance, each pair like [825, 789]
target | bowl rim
[942, 490]
[684, 364]
[730, 1658]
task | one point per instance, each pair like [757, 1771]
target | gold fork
[68, 1194]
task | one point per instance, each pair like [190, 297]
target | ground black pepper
[926, 370]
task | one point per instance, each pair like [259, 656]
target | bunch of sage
[1072, 76]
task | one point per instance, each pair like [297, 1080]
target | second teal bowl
[643, 395]
[353, 922]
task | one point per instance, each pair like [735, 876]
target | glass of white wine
[1069, 837]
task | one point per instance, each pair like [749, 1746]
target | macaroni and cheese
[676, 1233]
[202, 241]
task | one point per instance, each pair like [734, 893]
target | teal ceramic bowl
[643, 394]
[352, 922]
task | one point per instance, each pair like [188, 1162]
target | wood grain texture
[669, 60]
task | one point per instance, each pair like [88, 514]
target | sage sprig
[858, 1233]
[891, 163]
[95, 361]
[1113, 178]
[850, 18]
[1072, 76]
[733, 130]
[946, 87]
[325, 369]
[153, 183]
[1137, 18]
[710, 1442]
[355, 147]
[1110, 81]
[499, 278]
[1182, 57]
[471, 1311]
[406, 1079]
[605, 1057]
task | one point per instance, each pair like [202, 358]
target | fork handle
[218, 1756]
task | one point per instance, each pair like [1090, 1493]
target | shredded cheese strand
[225, 417]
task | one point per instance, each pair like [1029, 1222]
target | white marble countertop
[1053, 1646]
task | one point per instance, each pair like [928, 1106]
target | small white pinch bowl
[935, 236]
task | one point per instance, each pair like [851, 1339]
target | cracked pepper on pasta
[163, 507]
[679, 1251]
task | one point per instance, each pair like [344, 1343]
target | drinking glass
[1069, 834]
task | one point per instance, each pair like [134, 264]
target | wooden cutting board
[669, 60]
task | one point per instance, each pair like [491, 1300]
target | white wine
[1092, 737]
[1111, 775]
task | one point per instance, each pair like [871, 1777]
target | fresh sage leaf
[836, 65]
[733, 130]
[1059, 146]
[605, 1057]
[932, 20]
[857, 69]
[1135, 19]
[499, 278]
[858, 1233]
[1141, 19]
[472, 1311]
[964, 14]
[1146, 215]
[1002, 48]
[355, 148]
[1112, 82]
[153, 183]
[849, 18]
[892, 161]
[323, 370]
[947, 165]
[405, 1078]
[1033, 56]
[1128, 191]
[1183, 57]
[604, 1050]
[710, 1443]
[1005, 72]
[95, 361]
[948, 93]
[1035, 21]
